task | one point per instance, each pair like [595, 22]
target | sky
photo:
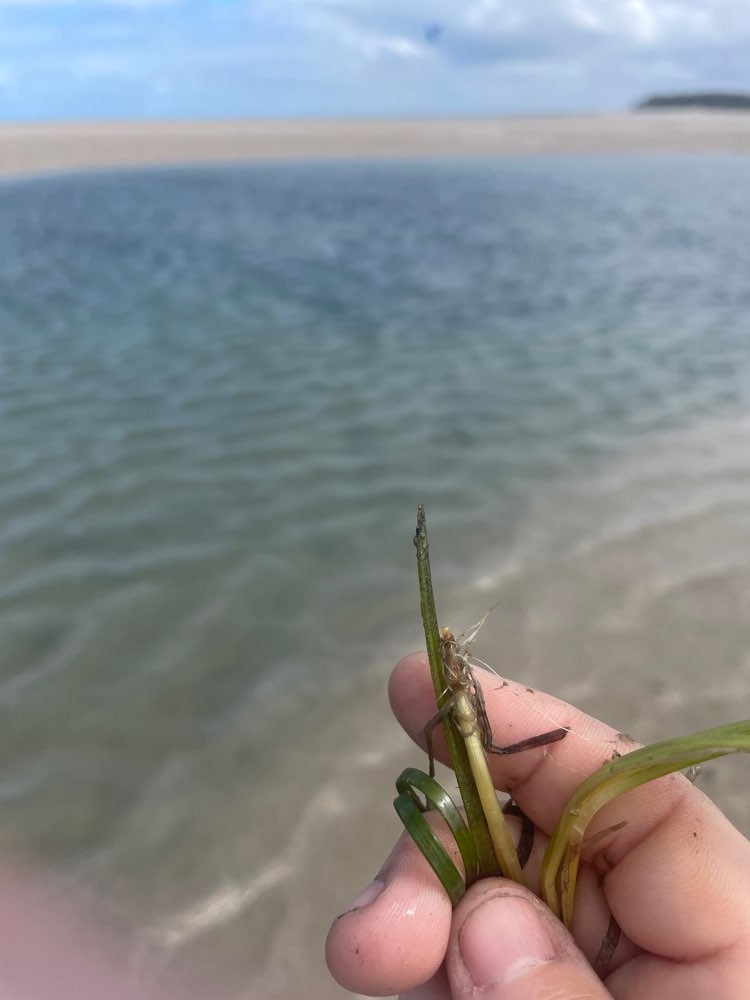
[94, 59]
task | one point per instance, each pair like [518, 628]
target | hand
[676, 877]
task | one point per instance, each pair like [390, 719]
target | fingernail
[367, 896]
[502, 939]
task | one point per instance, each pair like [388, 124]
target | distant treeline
[727, 102]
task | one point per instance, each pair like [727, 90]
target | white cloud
[633, 19]
[346, 24]
[484, 13]
[584, 14]
[555, 22]
[600, 52]
[372, 56]
[402, 47]
[662, 22]
[373, 46]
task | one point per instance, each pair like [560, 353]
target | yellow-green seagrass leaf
[560, 865]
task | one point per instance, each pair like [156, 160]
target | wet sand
[42, 147]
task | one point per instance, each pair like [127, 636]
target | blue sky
[223, 58]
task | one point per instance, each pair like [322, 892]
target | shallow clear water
[223, 393]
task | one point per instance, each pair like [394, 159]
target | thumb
[506, 945]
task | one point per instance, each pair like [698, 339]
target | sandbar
[63, 146]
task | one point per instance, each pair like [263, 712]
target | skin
[675, 874]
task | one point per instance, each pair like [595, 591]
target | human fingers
[506, 945]
[683, 895]
[392, 937]
[675, 873]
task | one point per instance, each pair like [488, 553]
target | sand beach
[58, 146]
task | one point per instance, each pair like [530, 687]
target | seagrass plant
[482, 837]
